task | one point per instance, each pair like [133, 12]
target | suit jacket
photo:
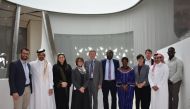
[152, 61]
[143, 74]
[97, 74]
[17, 78]
[77, 80]
[116, 65]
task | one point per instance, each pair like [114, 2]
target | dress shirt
[26, 71]
[112, 70]
[148, 62]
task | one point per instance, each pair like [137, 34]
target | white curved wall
[151, 21]
[182, 52]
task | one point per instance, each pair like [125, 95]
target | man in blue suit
[20, 80]
[109, 67]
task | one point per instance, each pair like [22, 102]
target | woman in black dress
[62, 82]
[80, 78]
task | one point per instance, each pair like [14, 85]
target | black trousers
[174, 95]
[61, 98]
[109, 86]
[143, 96]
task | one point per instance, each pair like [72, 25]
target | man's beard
[23, 58]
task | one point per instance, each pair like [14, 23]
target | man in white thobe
[41, 69]
[158, 79]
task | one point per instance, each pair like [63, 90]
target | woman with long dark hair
[62, 82]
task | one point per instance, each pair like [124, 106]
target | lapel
[78, 74]
[104, 62]
[28, 67]
[96, 67]
[95, 63]
[142, 69]
[104, 65]
[114, 62]
[152, 61]
[21, 67]
[137, 71]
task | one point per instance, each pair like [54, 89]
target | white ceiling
[79, 6]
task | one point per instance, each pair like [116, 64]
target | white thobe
[159, 77]
[42, 81]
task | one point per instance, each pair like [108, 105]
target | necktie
[91, 69]
[109, 70]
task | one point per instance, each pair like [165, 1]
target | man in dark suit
[149, 61]
[20, 80]
[94, 67]
[109, 67]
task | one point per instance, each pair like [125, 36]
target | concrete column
[34, 37]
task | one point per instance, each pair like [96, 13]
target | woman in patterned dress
[125, 81]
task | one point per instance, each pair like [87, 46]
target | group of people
[38, 85]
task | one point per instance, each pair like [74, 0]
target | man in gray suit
[95, 75]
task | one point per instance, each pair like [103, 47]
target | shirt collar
[23, 61]
[92, 60]
[110, 60]
[149, 59]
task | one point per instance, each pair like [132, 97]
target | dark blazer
[116, 64]
[17, 78]
[143, 74]
[57, 77]
[76, 79]
[152, 61]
